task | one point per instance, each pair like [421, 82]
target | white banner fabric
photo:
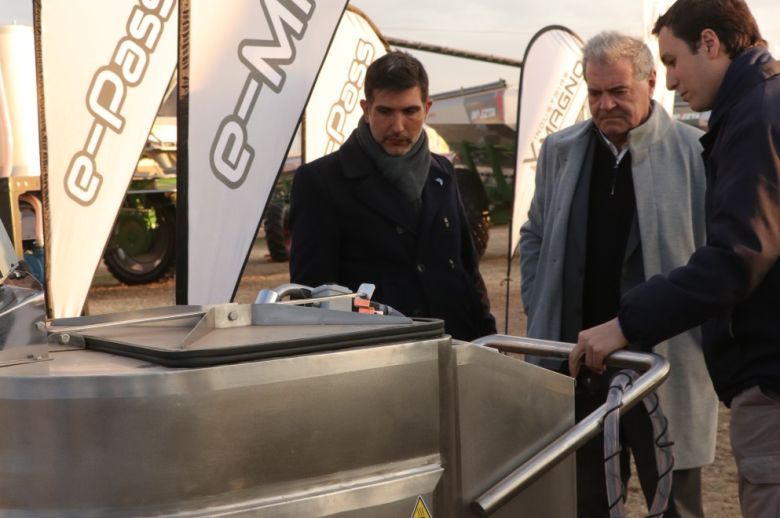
[553, 94]
[333, 110]
[652, 9]
[19, 152]
[105, 68]
[252, 68]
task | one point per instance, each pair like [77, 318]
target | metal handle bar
[655, 367]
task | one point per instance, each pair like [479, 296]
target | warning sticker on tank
[420, 509]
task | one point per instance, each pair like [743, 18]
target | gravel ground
[107, 295]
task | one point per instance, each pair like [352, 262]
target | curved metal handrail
[655, 367]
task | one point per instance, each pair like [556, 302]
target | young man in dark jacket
[716, 59]
[384, 209]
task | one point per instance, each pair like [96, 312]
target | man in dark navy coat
[717, 60]
[384, 209]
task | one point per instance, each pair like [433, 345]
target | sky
[504, 27]
[496, 27]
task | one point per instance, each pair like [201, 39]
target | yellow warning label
[420, 509]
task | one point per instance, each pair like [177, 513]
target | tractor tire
[156, 263]
[477, 207]
[277, 231]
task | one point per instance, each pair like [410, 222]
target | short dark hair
[731, 20]
[396, 71]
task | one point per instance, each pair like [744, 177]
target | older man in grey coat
[618, 199]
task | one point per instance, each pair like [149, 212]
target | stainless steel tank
[278, 411]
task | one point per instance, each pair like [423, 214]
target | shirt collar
[620, 153]
[617, 153]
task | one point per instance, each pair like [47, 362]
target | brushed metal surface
[526, 474]
[100, 432]
[356, 432]
[508, 410]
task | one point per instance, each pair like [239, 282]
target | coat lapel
[371, 189]
[576, 158]
[643, 142]
[434, 195]
[576, 222]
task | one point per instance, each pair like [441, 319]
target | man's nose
[606, 102]
[671, 81]
[398, 122]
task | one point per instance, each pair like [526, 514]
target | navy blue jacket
[350, 225]
[731, 285]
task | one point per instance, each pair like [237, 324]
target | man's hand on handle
[594, 345]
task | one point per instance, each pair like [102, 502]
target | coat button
[399, 230]
[452, 264]
[446, 223]
[420, 268]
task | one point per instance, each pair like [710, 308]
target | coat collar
[650, 132]
[643, 136]
[570, 146]
[372, 189]
[750, 68]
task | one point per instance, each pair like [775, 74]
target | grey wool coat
[669, 182]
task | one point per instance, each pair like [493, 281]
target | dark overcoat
[350, 226]
[732, 284]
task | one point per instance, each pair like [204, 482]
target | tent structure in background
[552, 97]
[246, 74]
[101, 79]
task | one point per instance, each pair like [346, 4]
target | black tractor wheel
[277, 231]
[139, 255]
[476, 205]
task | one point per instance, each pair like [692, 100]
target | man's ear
[366, 107]
[710, 44]
[428, 104]
[651, 81]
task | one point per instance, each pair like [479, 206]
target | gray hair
[608, 47]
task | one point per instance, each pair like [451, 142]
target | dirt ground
[719, 479]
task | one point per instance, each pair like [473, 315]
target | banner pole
[182, 155]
